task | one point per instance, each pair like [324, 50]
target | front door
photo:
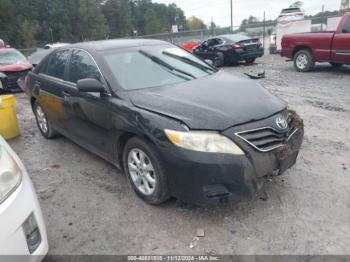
[91, 118]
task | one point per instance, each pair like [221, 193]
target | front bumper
[9, 82]
[14, 211]
[205, 178]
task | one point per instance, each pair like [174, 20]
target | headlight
[10, 174]
[210, 142]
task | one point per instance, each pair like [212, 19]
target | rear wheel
[336, 65]
[43, 123]
[145, 172]
[250, 60]
[303, 61]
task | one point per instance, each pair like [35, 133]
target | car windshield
[290, 10]
[155, 66]
[11, 57]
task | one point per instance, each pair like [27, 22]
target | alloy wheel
[42, 121]
[302, 61]
[142, 172]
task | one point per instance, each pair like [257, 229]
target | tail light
[237, 46]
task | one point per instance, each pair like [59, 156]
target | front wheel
[145, 172]
[250, 60]
[303, 61]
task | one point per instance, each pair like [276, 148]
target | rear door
[49, 85]
[341, 44]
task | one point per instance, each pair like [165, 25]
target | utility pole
[264, 27]
[231, 16]
[344, 7]
[322, 16]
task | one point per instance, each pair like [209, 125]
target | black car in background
[230, 49]
[176, 126]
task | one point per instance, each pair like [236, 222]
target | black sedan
[174, 124]
[230, 49]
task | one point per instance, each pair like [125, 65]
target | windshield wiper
[166, 65]
[190, 61]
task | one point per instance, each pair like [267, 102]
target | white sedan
[22, 227]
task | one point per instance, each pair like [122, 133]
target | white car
[55, 45]
[291, 14]
[22, 227]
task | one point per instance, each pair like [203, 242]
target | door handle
[37, 84]
[66, 94]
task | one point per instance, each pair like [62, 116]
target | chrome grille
[267, 138]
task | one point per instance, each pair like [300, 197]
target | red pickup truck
[307, 48]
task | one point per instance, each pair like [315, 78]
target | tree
[119, 17]
[194, 23]
[92, 23]
[297, 4]
[37, 22]
[27, 33]
[246, 22]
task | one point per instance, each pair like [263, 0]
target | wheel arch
[301, 47]
[122, 141]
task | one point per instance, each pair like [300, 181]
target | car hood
[15, 67]
[216, 102]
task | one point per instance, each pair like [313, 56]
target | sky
[219, 10]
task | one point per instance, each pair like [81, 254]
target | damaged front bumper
[206, 178]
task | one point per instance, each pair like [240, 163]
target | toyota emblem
[281, 122]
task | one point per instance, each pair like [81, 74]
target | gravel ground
[90, 209]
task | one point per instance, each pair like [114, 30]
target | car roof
[115, 44]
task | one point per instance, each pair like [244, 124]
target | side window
[82, 66]
[212, 42]
[57, 64]
[41, 68]
[219, 41]
[347, 26]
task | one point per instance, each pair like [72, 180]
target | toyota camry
[174, 124]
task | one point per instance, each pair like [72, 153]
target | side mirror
[210, 62]
[90, 85]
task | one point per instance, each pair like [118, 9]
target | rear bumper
[286, 52]
[236, 56]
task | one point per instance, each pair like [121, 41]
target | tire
[156, 192]
[220, 60]
[43, 123]
[250, 60]
[336, 65]
[303, 61]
